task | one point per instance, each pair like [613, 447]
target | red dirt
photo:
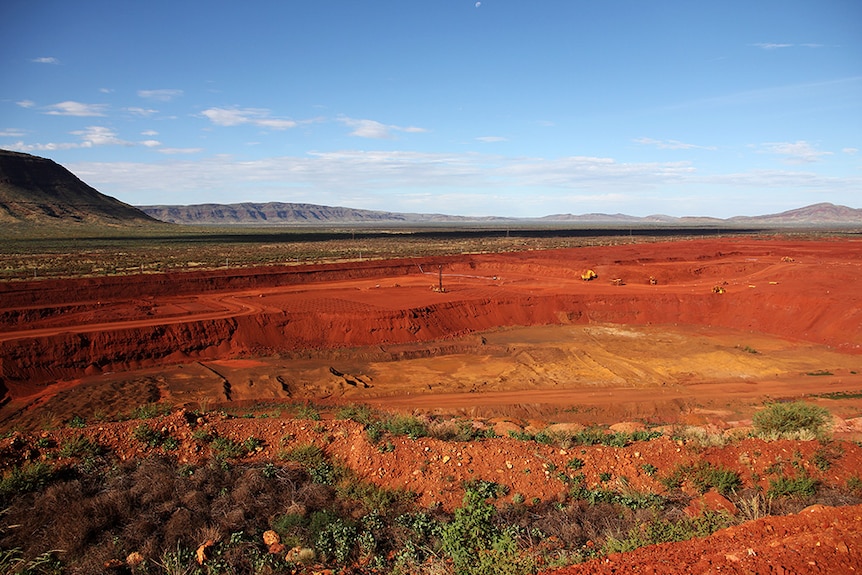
[820, 540]
[65, 329]
[673, 352]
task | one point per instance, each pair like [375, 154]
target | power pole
[440, 271]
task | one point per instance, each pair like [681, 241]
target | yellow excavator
[589, 275]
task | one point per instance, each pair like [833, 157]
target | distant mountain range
[276, 213]
[36, 191]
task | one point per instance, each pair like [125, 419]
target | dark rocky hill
[38, 191]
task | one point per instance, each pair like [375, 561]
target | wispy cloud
[373, 129]
[46, 60]
[850, 151]
[89, 137]
[179, 151]
[12, 133]
[240, 116]
[799, 152]
[70, 108]
[142, 111]
[491, 139]
[163, 95]
[25, 103]
[779, 46]
[671, 144]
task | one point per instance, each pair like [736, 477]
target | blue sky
[499, 107]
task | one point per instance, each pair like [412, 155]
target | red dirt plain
[516, 341]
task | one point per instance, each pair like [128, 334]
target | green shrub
[358, 413]
[150, 410]
[475, 543]
[77, 422]
[307, 411]
[315, 463]
[660, 530]
[28, 477]
[705, 477]
[226, 448]
[80, 447]
[408, 425]
[149, 436]
[786, 418]
[801, 485]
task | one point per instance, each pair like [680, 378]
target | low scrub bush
[798, 486]
[150, 411]
[154, 438]
[408, 425]
[788, 418]
[703, 476]
[80, 446]
[26, 478]
[659, 530]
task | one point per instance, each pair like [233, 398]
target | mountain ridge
[281, 213]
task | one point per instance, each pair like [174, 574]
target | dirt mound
[819, 540]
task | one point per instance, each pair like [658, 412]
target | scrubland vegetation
[74, 506]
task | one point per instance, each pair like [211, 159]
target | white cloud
[46, 60]
[99, 136]
[149, 133]
[772, 45]
[671, 144]
[165, 95]
[799, 152]
[467, 184]
[850, 151]
[176, 151]
[492, 139]
[26, 103]
[145, 112]
[70, 108]
[373, 129]
[151, 143]
[778, 46]
[90, 137]
[253, 116]
[12, 133]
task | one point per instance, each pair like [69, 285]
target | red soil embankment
[804, 290]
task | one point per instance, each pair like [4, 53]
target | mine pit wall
[61, 291]
[42, 361]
